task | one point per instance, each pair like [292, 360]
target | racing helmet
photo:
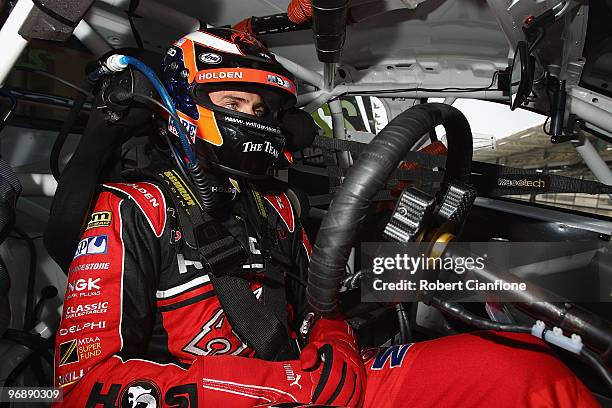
[217, 59]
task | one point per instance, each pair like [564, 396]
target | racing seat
[97, 158]
[10, 188]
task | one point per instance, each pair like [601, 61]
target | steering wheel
[365, 178]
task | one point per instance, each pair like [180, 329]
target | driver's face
[244, 102]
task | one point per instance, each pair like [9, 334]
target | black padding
[77, 186]
[10, 188]
[300, 129]
[68, 12]
[54, 20]
[92, 163]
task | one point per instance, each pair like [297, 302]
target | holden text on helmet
[260, 147]
[206, 76]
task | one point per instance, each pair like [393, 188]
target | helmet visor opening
[272, 101]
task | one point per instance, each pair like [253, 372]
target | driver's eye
[232, 106]
[260, 112]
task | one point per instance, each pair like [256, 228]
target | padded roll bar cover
[367, 176]
[329, 28]
[54, 20]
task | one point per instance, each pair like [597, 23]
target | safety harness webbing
[260, 324]
[488, 179]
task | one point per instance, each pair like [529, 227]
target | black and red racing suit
[142, 327]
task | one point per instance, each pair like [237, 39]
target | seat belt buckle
[208, 233]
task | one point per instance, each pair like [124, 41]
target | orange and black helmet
[224, 59]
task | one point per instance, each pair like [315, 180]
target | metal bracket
[457, 202]
[574, 70]
[574, 34]
[571, 132]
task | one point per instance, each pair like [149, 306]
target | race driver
[145, 323]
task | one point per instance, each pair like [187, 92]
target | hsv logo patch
[92, 246]
[68, 353]
[140, 393]
[99, 219]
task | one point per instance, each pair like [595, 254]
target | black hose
[469, 318]
[369, 174]
[591, 358]
[404, 326]
[594, 330]
[474, 320]
[73, 115]
[198, 176]
[5, 306]
[29, 319]
[202, 185]
[274, 24]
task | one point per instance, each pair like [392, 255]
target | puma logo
[297, 381]
[292, 376]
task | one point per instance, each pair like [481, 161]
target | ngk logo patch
[83, 288]
[83, 284]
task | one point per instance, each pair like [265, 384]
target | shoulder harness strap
[260, 327]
